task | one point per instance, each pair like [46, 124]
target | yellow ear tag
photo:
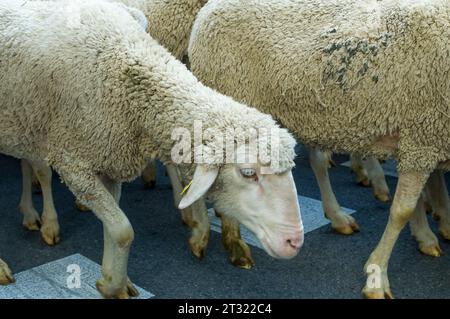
[186, 187]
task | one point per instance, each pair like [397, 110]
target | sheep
[369, 78]
[88, 92]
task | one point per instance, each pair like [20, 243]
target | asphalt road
[328, 266]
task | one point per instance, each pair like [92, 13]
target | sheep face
[267, 204]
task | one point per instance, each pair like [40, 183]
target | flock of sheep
[94, 89]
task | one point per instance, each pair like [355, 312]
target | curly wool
[170, 21]
[346, 75]
[101, 96]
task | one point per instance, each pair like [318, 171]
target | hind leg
[420, 229]
[437, 193]
[377, 179]
[340, 221]
[50, 225]
[357, 166]
[31, 219]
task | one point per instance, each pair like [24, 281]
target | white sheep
[361, 77]
[86, 91]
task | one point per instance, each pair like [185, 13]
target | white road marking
[50, 281]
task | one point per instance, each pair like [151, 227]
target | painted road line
[311, 209]
[52, 281]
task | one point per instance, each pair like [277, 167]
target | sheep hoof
[378, 293]
[198, 242]
[346, 226]
[32, 225]
[116, 293]
[31, 220]
[6, 276]
[383, 197]
[431, 250]
[81, 207]
[50, 233]
[240, 254]
[197, 250]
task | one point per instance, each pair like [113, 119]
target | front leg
[194, 216]
[340, 221]
[408, 191]
[118, 233]
[238, 250]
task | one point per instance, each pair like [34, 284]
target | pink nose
[295, 242]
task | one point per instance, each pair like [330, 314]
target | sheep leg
[341, 222]
[31, 219]
[149, 174]
[407, 194]
[377, 179]
[195, 216]
[239, 252]
[6, 276]
[118, 235]
[357, 166]
[201, 229]
[50, 225]
[115, 189]
[438, 194]
[329, 157]
[420, 229]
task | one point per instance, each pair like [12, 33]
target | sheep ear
[202, 181]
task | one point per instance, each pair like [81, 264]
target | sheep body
[358, 77]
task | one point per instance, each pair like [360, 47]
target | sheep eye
[248, 172]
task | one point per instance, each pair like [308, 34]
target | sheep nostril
[293, 243]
